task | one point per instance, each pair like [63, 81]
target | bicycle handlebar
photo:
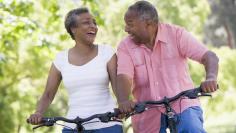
[112, 116]
[105, 117]
[192, 94]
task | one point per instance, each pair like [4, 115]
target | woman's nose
[92, 24]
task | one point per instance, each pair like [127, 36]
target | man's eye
[95, 22]
[86, 22]
[129, 25]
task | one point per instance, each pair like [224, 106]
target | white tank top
[87, 86]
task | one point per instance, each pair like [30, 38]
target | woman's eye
[89, 23]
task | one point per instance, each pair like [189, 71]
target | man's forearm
[124, 85]
[210, 62]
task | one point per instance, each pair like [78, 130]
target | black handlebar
[105, 117]
[139, 108]
[191, 94]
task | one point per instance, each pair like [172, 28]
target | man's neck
[153, 33]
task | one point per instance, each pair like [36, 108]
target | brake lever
[109, 117]
[105, 118]
[117, 120]
[196, 93]
[201, 93]
[205, 94]
[127, 115]
[139, 108]
[41, 125]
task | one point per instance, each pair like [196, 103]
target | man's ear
[149, 22]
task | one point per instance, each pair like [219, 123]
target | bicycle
[105, 117]
[171, 121]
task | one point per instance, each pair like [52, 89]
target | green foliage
[227, 82]
[32, 32]
[14, 25]
[22, 62]
[188, 13]
[219, 111]
[220, 29]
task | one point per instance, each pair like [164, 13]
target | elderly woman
[86, 70]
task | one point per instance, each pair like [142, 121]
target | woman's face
[86, 29]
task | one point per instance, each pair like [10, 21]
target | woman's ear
[73, 30]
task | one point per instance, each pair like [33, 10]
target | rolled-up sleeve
[124, 63]
[190, 47]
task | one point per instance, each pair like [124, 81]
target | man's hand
[209, 85]
[126, 106]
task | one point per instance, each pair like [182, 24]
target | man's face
[135, 27]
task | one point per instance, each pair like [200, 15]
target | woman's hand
[35, 118]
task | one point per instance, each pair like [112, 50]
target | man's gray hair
[70, 20]
[145, 10]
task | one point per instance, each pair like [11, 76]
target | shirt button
[156, 83]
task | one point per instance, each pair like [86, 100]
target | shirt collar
[161, 34]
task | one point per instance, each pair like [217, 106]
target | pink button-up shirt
[160, 72]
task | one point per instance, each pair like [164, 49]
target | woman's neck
[82, 48]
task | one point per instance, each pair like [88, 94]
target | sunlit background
[32, 32]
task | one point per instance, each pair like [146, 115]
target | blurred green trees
[32, 32]
[220, 28]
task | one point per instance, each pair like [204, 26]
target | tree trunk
[229, 36]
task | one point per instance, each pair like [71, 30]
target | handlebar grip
[45, 119]
[28, 121]
[202, 93]
[206, 94]
[140, 107]
[116, 112]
